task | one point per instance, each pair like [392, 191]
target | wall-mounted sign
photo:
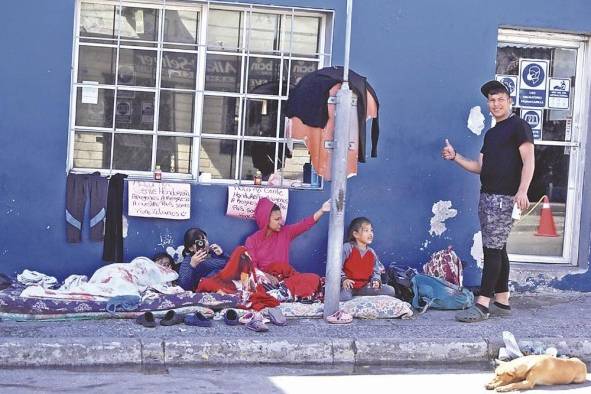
[559, 93]
[90, 93]
[159, 200]
[533, 77]
[535, 119]
[242, 200]
[510, 82]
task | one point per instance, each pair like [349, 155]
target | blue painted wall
[426, 60]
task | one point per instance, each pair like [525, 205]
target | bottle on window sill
[258, 178]
[157, 174]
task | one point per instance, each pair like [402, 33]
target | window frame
[322, 57]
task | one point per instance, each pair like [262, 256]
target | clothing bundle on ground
[311, 108]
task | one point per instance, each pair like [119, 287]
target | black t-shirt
[501, 161]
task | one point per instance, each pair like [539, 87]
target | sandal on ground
[231, 317]
[197, 319]
[496, 311]
[276, 316]
[146, 320]
[257, 325]
[340, 317]
[471, 315]
[171, 318]
[248, 316]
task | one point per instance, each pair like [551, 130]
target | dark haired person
[361, 272]
[506, 168]
[268, 248]
[200, 259]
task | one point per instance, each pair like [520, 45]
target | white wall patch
[476, 250]
[441, 212]
[476, 120]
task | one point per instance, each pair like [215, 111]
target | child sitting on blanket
[200, 259]
[269, 247]
[361, 267]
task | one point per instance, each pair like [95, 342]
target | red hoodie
[265, 250]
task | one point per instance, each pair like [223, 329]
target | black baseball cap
[490, 85]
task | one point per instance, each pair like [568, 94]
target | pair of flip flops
[340, 317]
[170, 318]
[276, 316]
[197, 319]
[231, 317]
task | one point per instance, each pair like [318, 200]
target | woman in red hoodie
[361, 266]
[269, 247]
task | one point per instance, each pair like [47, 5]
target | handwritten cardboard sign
[242, 200]
[159, 200]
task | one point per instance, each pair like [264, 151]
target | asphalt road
[260, 379]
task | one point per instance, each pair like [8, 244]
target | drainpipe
[339, 182]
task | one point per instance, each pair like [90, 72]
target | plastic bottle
[258, 178]
[157, 174]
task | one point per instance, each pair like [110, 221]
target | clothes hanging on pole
[113, 245]
[78, 187]
[307, 101]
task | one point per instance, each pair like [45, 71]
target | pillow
[377, 307]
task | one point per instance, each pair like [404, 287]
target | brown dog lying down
[525, 372]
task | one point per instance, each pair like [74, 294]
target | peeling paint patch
[476, 250]
[424, 245]
[166, 239]
[476, 120]
[441, 212]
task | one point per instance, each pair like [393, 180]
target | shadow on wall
[578, 282]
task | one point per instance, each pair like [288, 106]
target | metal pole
[339, 183]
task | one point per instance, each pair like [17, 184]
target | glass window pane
[258, 156]
[95, 114]
[218, 157]
[223, 73]
[220, 115]
[173, 154]
[97, 64]
[97, 20]
[178, 70]
[92, 150]
[138, 24]
[224, 30]
[181, 26]
[298, 169]
[550, 179]
[299, 69]
[177, 111]
[132, 152]
[263, 75]
[261, 118]
[135, 110]
[305, 38]
[264, 33]
[137, 67]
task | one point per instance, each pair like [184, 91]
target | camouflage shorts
[494, 212]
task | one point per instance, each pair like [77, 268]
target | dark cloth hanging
[78, 188]
[308, 100]
[113, 245]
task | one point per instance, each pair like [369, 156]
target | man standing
[506, 168]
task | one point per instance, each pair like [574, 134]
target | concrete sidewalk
[560, 319]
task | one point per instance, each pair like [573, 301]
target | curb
[60, 352]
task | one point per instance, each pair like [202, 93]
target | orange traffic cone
[546, 227]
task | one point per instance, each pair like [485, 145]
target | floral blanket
[15, 307]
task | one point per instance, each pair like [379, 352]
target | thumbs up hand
[448, 152]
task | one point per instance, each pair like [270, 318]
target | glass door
[544, 72]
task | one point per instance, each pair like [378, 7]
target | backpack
[437, 293]
[399, 278]
[445, 264]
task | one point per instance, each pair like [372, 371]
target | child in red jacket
[361, 268]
